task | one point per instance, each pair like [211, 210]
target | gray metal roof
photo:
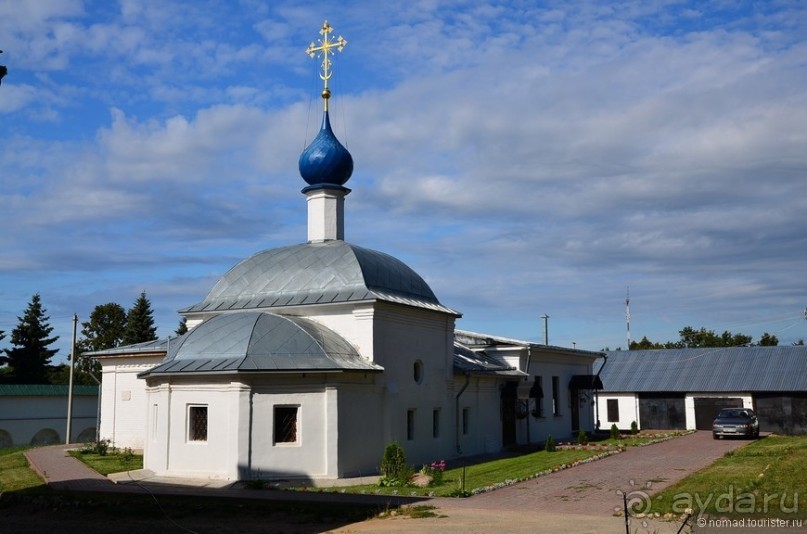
[260, 342]
[317, 273]
[729, 369]
[477, 340]
[158, 345]
[477, 362]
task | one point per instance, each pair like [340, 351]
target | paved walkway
[580, 499]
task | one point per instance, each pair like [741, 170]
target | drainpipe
[457, 409]
[529, 356]
[597, 393]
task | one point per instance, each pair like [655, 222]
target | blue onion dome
[325, 164]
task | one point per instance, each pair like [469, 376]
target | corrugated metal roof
[45, 390]
[316, 273]
[704, 370]
[260, 342]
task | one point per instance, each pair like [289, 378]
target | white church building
[305, 361]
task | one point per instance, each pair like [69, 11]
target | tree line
[28, 360]
[692, 338]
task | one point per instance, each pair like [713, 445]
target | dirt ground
[62, 515]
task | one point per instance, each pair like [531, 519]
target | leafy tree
[106, 327]
[768, 340]
[692, 338]
[140, 322]
[30, 356]
[182, 328]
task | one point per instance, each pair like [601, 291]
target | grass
[111, 462]
[764, 479]
[15, 474]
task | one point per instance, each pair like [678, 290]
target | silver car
[736, 422]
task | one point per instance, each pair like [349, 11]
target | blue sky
[526, 158]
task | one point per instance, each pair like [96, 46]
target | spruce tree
[182, 328]
[30, 356]
[140, 322]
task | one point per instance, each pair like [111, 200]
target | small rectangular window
[613, 410]
[286, 424]
[197, 423]
[436, 423]
[410, 425]
[539, 396]
[555, 395]
[465, 421]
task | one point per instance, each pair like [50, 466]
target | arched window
[418, 371]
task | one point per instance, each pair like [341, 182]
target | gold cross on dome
[326, 46]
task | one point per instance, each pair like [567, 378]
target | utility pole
[70, 386]
[545, 317]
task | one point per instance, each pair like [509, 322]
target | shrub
[435, 470]
[614, 431]
[549, 446]
[394, 471]
[582, 437]
[634, 428]
[100, 447]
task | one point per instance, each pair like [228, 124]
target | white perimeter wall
[28, 420]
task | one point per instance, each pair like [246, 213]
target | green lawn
[765, 479]
[111, 462]
[14, 471]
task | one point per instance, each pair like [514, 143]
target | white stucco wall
[123, 399]
[168, 447]
[628, 406]
[484, 430]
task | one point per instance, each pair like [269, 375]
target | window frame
[278, 431]
[192, 433]
[612, 409]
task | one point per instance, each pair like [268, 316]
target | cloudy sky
[525, 157]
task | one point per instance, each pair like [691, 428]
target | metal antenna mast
[627, 314]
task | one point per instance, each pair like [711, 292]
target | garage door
[707, 408]
[661, 412]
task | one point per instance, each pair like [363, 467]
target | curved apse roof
[260, 342]
[317, 273]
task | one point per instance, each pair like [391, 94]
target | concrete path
[580, 499]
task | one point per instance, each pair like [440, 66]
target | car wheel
[715, 436]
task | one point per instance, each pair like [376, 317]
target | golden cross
[326, 46]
